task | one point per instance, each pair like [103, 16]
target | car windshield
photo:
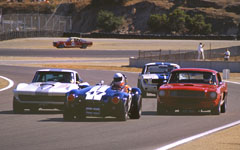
[159, 69]
[193, 77]
[63, 77]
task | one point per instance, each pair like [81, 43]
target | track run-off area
[47, 129]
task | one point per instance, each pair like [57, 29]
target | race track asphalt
[47, 130]
[68, 53]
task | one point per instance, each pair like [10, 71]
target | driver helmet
[118, 80]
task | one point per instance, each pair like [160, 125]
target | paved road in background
[47, 130]
[69, 53]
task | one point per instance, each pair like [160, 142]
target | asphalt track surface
[68, 53]
[47, 130]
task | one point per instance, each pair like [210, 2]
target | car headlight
[213, 95]
[145, 81]
[71, 97]
[115, 100]
[162, 93]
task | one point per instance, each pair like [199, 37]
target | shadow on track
[154, 113]
[42, 112]
[84, 120]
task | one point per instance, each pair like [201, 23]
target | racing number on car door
[96, 93]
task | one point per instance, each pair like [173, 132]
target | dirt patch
[222, 140]
[3, 83]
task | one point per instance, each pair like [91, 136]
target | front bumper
[150, 88]
[96, 108]
[188, 103]
[41, 99]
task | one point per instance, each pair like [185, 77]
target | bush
[197, 25]
[158, 22]
[179, 22]
[108, 22]
[108, 2]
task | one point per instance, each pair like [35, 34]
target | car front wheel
[136, 110]
[161, 110]
[68, 115]
[216, 110]
[17, 107]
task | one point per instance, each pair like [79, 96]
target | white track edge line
[177, 143]
[180, 142]
[11, 83]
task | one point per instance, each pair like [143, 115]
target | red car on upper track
[193, 89]
[73, 42]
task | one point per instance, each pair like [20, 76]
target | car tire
[144, 94]
[68, 115]
[17, 107]
[136, 110]
[84, 46]
[123, 113]
[216, 110]
[161, 110]
[224, 107]
[34, 110]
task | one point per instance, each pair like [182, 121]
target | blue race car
[103, 100]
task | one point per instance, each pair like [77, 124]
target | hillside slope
[224, 15]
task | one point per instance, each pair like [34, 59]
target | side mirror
[164, 81]
[100, 83]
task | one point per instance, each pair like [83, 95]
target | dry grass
[3, 83]
[91, 67]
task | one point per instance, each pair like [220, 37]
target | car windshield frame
[157, 69]
[194, 77]
[53, 76]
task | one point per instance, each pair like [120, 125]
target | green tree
[158, 22]
[177, 20]
[198, 25]
[108, 22]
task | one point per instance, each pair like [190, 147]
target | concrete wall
[216, 65]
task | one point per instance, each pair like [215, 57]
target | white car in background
[47, 90]
[154, 75]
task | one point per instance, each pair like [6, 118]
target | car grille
[159, 81]
[43, 98]
[184, 93]
[93, 107]
[93, 103]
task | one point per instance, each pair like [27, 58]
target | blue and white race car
[154, 75]
[102, 101]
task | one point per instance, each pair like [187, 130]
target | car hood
[51, 88]
[156, 76]
[188, 86]
[100, 93]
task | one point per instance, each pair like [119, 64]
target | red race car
[193, 89]
[72, 42]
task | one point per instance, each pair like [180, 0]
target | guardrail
[153, 36]
[166, 55]
[52, 33]
[28, 34]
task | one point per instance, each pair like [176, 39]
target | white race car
[47, 90]
[154, 75]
